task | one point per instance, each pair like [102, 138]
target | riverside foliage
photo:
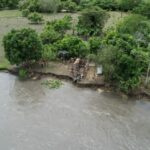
[124, 51]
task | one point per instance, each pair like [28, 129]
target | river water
[33, 117]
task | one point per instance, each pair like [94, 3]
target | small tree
[124, 61]
[55, 30]
[49, 6]
[95, 44]
[138, 26]
[11, 4]
[50, 35]
[127, 5]
[92, 21]
[74, 45]
[25, 12]
[22, 46]
[69, 6]
[35, 18]
[143, 9]
[61, 25]
[107, 4]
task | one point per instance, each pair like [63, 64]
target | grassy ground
[12, 19]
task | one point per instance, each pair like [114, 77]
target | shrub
[107, 4]
[31, 5]
[22, 46]
[77, 1]
[143, 9]
[127, 61]
[86, 4]
[126, 5]
[11, 4]
[23, 73]
[95, 44]
[23, 4]
[40, 5]
[49, 5]
[69, 6]
[2, 4]
[138, 26]
[55, 30]
[121, 40]
[25, 12]
[61, 25]
[91, 21]
[35, 18]
[107, 57]
[91, 58]
[50, 35]
[49, 53]
[74, 45]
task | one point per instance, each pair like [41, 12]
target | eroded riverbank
[34, 117]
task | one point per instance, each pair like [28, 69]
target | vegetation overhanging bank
[38, 75]
[123, 51]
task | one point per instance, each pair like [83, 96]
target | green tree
[143, 9]
[126, 5]
[107, 4]
[22, 46]
[35, 18]
[95, 44]
[138, 26]
[124, 61]
[92, 21]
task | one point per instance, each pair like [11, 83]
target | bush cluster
[68, 5]
[128, 5]
[50, 35]
[31, 5]
[11, 4]
[95, 44]
[138, 26]
[49, 53]
[126, 55]
[107, 4]
[74, 45]
[143, 9]
[35, 18]
[55, 33]
[48, 6]
[91, 21]
[122, 5]
[55, 30]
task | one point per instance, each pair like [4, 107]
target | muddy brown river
[33, 117]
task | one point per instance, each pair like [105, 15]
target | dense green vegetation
[35, 17]
[22, 46]
[74, 45]
[123, 50]
[52, 84]
[12, 4]
[143, 9]
[92, 21]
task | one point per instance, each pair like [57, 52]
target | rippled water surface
[33, 117]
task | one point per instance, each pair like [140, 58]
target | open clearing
[12, 19]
